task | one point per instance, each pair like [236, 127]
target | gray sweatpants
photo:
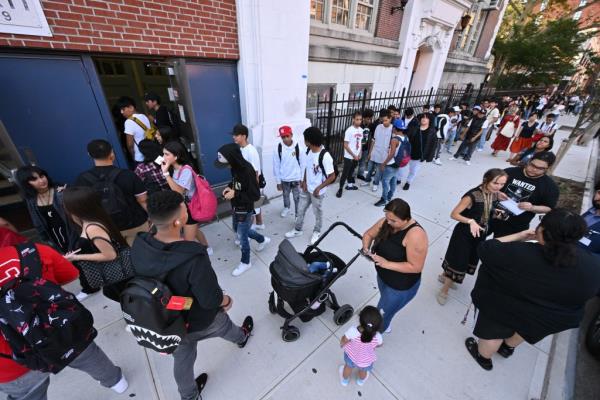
[185, 355]
[34, 384]
[306, 199]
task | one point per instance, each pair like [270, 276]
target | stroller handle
[332, 227]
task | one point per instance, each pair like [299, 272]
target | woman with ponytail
[359, 343]
[530, 285]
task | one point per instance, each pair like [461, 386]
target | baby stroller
[308, 294]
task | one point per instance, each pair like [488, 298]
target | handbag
[104, 273]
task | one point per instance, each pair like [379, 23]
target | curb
[559, 380]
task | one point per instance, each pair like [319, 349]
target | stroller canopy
[290, 267]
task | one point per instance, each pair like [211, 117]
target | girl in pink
[359, 345]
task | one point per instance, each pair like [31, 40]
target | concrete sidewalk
[423, 358]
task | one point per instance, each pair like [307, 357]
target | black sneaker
[406, 186]
[485, 363]
[200, 383]
[353, 187]
[380, 203]
[339, 193]
[247, 327]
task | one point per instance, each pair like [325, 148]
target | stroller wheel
[290, 334]
[343, 314]
[272, 308]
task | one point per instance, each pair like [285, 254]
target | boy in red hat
[287, 169]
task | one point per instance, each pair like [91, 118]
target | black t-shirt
[130, 185]
[520, 288]
[392, 249]
[541, 191]
[528, 131]
[475, 127]
[162, 117]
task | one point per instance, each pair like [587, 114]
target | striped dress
[361, 354]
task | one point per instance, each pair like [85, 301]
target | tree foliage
[534, 54]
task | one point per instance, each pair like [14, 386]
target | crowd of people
[531, 283]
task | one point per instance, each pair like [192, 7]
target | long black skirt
[461, 257]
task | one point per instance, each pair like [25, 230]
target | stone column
[272, 72]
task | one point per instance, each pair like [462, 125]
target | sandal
[442, 298]
[505, 350]
[442, 278]
[485, 363]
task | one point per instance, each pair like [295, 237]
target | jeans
[363, 163]
[438, 148]
[31, 386]
[467, 148]
[392, 300]
[317, 266]
[450, 139]
[294, 189]
[413, 168]
[373, 167]
[242, 221]
[307, 199]
[388, 183]
[348, 171]
[483, 137]
[185, 355]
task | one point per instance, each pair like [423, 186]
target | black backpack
[280, 149]
[44, 325]
[112, 197]
[143, 303]
[321, 156]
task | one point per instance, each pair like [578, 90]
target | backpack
[144, 306]
[203, 205]
[321, 156]
[44, 325]
[111, 196]
[149, 132]
[402, 157]
[280, 149]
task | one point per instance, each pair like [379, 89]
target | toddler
[359, 345]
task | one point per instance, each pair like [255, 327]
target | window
[110, 67]
[364, 14]
[340, 12]
[469, 37]
[357, 90]
[317, 10]
[474, 36]
[577, 15]
[317, 91]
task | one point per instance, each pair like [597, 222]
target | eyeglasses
[537, 167]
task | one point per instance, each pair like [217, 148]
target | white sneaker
[209, 251]
[255, 227]
[375, 187]
[240, 269]
[284, 212]
[121, 386]
[479, 149]
[81, 296]
[451, 159]
[361, 382]
[388, 330]
[237, 242]
[315, 236]
[437, 161]
[261, 246]
[365, 184]
[468, 162]
[293, 234]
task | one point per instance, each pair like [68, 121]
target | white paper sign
[171, 94]
[23, 17]
[512, 206]
[182, 113]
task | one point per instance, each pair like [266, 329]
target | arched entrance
[422, 68]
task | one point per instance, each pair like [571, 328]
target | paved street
[423, 358]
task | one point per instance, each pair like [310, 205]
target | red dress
[511, 123]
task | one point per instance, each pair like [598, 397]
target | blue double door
[52, 106]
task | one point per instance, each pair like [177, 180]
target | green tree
[534, 54]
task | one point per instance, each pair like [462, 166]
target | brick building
[64, 64]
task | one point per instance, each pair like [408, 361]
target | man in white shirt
[317, 175]
[136, 126]
[379, 149]
[352, 153]
[250, 154]
[287, 170]
[548, 127]
[541, 105]
[492, 115]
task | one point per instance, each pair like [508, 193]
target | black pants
[348, 171]
[468, 147]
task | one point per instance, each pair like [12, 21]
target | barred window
[317, 10]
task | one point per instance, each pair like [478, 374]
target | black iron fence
[334, 113]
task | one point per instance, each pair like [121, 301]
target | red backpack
[203, 205]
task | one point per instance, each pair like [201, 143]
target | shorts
[351, 364]
[489, 329]
[190, 220]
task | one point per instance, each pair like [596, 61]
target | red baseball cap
[285, 131]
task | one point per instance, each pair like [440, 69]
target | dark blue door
[216, 106]
[51, 112]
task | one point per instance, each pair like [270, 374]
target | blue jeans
[242, 221]
[483, 137]
[388, 183]
[450, 139]
[373, 167]
[317, 266]
[391, 300]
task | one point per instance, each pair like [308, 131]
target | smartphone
[159, 160]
